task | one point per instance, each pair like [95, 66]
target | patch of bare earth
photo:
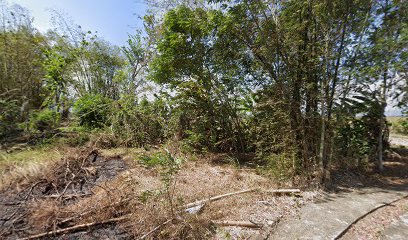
[375, 223]
[92, 194]
[395, 176]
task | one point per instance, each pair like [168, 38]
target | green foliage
[138, 124]
[206, 85]
[93, 111]
[352, 139]
[357, 134]
[9, 116]
[56, 83]
[168, 166]
[44, 120]
[282, 165]
[80, 138]
[401, 126]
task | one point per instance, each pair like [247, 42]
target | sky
[113, 19]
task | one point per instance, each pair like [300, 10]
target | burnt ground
[69, 181]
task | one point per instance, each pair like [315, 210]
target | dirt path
[331, 216]
[398, 230]
[388, 222]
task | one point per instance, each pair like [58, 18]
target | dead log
[283, 191]
[246, 224]
[215, 198]
[211, 199]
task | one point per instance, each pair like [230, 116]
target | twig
[155, 229]
[65, 189]
[32, 188]
[75, 228]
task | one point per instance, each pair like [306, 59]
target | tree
[188, 61]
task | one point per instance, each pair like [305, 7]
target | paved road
[329, 217]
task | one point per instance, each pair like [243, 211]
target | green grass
[26, 164]
[395, 119]
[395, 127]
[28, 156]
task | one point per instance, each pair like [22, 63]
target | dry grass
[137, 193]
[20, 168]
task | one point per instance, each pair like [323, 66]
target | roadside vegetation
[212, 97]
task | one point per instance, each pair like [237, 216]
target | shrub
[9, 116]
[93, 111]
[401, 126]
[168, 166]
[44, 120]
[138, 124]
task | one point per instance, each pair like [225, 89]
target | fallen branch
[246, 224]
[68, 196]
[283, 191]
[75, 228]
[212, 199]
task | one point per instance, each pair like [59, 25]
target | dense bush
[401, 126]
[352, 140]
[93, 111]
[9, 116]
[44, 120]
[136, 123]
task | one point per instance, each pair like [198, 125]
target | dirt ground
[372, 226]
[93, 193]
[395, 175]
[90, 193]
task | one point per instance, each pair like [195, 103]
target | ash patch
[68, 181]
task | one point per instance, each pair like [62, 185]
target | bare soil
[91, 186]
[372, 226]
[395, 176]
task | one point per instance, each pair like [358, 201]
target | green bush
[44, 120]
[401, 126]
[93, 111]
[9, 116]
[138, 124]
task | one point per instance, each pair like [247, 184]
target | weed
[168, 166]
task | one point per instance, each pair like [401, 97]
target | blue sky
[113, 19]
